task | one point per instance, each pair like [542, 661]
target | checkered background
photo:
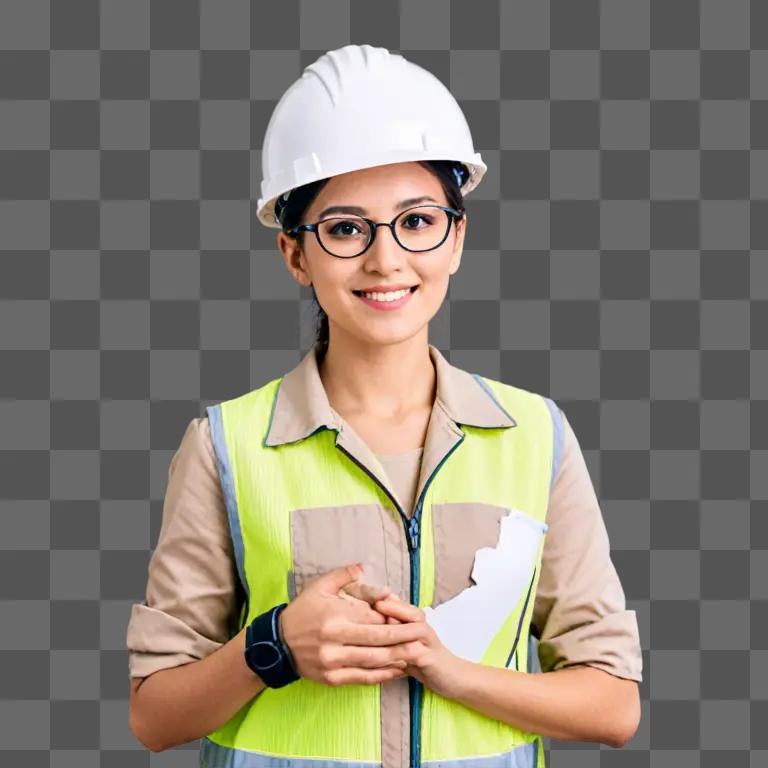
[615, 261]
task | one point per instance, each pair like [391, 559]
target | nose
[385, 252]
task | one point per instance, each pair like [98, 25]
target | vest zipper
[413, 538]
[413, 532]
[417, 686]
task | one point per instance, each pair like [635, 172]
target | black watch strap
[266, 653]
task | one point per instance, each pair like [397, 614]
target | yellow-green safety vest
[300, 508]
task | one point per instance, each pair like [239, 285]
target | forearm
[174, 706]
[571, 704]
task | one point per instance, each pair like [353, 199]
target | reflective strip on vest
[214, 756]
[299, 509]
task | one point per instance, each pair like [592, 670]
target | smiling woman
[423, 248]
[375, 451]
[358, 233]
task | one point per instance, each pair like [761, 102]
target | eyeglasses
[422, 228]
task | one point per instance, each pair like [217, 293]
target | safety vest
[305, 495]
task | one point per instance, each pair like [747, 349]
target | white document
[468, 622]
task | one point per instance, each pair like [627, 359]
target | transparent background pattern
[616, 261]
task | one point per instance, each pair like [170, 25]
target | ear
[294, 258]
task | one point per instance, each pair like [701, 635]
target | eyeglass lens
[417, 229]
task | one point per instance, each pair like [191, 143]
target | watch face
[263, 654]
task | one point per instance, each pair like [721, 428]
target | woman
[375, 451]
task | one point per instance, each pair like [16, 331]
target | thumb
[334, 580]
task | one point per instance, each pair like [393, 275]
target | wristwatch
[266, 653]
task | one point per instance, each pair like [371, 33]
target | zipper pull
[413, 532]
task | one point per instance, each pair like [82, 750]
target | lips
[383, 305]
[360, 292]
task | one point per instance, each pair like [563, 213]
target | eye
[427, 219]
[334, 229]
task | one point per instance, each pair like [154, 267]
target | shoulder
[253, 398]
[521, 403]
[198, 434]
[508, 393]
[195, 453]
[519, 400]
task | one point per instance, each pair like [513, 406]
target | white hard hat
[357, 107]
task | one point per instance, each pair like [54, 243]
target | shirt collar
[301, 405]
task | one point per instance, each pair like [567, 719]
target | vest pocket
[325, 538]
[480, 576]
[460, 529]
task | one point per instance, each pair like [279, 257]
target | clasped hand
[341, 631]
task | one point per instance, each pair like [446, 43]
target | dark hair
[289, 213]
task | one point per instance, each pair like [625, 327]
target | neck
[379, 380]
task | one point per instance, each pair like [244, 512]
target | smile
[387, 305]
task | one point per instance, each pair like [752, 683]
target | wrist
[460, 678]
[281, 635]
[266, 653]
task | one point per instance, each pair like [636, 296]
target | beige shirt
[193, 594]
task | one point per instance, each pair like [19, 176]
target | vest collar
[301, 405]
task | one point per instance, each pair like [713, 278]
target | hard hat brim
[265, 208]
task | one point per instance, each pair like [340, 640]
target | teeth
[393, 296]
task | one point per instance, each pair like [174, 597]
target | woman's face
[378, 191]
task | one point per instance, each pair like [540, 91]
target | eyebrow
[402, 205]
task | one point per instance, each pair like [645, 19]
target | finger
[360, 611]
[400, 610]
[332, 581]
[369, 593]
[377, 635]
[364, 614]
[357, 676]
[368, 657]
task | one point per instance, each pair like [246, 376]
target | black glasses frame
[453, 215]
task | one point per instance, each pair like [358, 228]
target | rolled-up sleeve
[580, 614]
[191, 603]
